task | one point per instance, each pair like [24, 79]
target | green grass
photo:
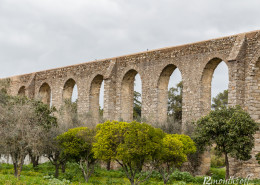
[44, 173]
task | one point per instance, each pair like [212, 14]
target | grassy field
[43, 174]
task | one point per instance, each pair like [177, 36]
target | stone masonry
[196, 62]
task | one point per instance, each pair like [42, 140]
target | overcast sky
[42, 34]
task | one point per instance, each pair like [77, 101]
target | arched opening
[70, 91]
[96, 98]
[74, 96]
[45, 94]
[69, 108]
[137, 109]
[214, 86]
[170, 98]
[127, 95]
[174, 112]
[21, 91]
[219, 87]
[211, 85]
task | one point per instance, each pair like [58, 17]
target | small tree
[175, 102]
[77, 143]
[173, 154]
[67, 119]
[230, 129]
[137, 105]
[220, 100]
[53, 151]
[23, 124]
[130, 144]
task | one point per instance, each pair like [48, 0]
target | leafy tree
[175, 102]
[173, 153]
[137, 105]
[220, 100]
[23, 123]
[77, 143]
[230, 129]
[67, 118]
[130, 144]
[53, 151]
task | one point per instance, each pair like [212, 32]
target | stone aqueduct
[196, 62]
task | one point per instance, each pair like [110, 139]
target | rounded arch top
[131, 72]
[69, 82]
[127, 94]
[165, 74]
[21, 91]
[45, 93]
[206, 82]
[68, 88]
[97, 78]
[209, 68]
[162, 86]
[44, 86]
[95, 96]
[130, 75]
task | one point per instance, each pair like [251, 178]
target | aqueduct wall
[196, 62]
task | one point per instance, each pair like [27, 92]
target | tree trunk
[15, 160]
[34, 159]
[57, 166]
[227, 166]
[83, 170]
[15, 169]
[19, 171]
[63, 167]
[108, 165]
[20, 166]
[132, 181]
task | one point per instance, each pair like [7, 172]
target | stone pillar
[149, 102]
[56, 90]
[109, 99]
[250, 102]
[110, 93]
[236, 89]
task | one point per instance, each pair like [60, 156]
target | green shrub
[95, 181]
[217, 161]
[156, 175]
[218, 173]
[182, 176]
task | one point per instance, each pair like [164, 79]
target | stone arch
[45, 93]
[68, 89]
[127, 95]
[94, 97]
[21, 91]
[205, 84]
[162, 99]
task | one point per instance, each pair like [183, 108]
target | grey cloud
[37, 35]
